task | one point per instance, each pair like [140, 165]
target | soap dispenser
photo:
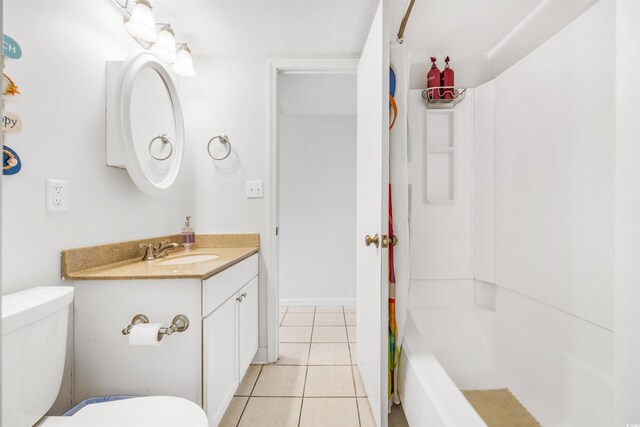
[188, 236]
[448, 80]
[433, 81]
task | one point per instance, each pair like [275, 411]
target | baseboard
[261, 356]
[321, 302]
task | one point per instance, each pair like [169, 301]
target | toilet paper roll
[145, 334]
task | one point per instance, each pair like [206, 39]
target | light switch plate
[254, 189]
[57, 195]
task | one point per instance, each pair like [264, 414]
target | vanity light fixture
[184, 64]
[142, 24]
[165, 47]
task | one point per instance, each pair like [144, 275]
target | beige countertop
[136, 269]
[99, 263]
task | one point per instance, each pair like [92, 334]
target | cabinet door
[248, 325]
[220, 359]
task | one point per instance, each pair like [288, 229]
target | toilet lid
[155, 411]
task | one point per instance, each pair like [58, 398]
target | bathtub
[430, 398]
[558, 366]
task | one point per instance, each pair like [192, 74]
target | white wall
[547, 19]
[62, 79]
[317, 210]
[627, 246]
[62, 107]
[554, 206]
[555, 170]
[554, 240]
[229, 96]
[484, 182]
[317, 158]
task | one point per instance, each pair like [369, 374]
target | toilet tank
[34, 342]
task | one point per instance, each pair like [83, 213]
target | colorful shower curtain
[399, 272]
[393, 326]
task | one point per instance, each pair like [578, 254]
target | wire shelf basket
[436, 97]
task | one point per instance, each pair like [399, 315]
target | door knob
[393, 240]
[369, 240]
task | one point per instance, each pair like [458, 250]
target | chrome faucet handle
[148, 253]
[165, 247]
[164, 242]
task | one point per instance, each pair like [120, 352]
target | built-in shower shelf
[431, 102]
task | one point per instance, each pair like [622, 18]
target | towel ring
[224, 139]
[165, 140]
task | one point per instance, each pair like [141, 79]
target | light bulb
[184, 64]
[165, 47]
[142, 25]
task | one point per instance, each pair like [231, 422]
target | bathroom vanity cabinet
[204, 364]
[230, 333]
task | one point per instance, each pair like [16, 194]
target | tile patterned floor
[316, 380]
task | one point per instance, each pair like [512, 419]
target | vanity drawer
[217, 289]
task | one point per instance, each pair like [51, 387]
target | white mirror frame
[124, 89]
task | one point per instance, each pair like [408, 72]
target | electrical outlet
[254, 189]
[57, 197]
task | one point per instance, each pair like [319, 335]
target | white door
[220, 359]
[372, 215]
[247, 325]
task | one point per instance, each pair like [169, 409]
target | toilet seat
[154, 411]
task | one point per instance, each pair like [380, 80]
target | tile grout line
[353, 377]
[283, 316]
[249, 397]
[243, 409]
[306, 371]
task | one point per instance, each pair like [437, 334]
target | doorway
[317, 189]
[312, 202]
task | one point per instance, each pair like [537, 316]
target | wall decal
[11, 163]
[11, 89]
[11, 123]
[11, 47]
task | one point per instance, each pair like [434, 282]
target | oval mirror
[151, 123]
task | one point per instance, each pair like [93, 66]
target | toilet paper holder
[180, 323]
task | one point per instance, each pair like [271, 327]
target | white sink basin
[189, 259]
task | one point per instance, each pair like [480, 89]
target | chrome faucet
[154, 252]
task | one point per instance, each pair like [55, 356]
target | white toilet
[34, 332]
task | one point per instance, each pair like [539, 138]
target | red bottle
[433, 80]
[447, 80]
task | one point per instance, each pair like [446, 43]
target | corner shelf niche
[440, 155]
